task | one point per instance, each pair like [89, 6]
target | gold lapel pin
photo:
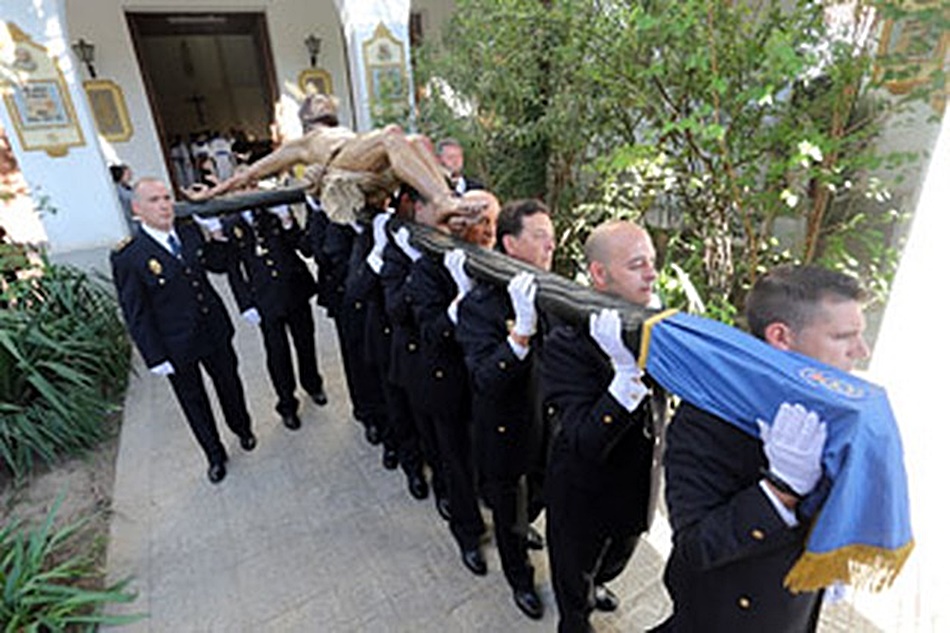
[155, 266]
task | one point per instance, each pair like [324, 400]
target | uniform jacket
[363, 294]
[172, 311]
[505, 407]
[443, 376]
[336, 248]
[405, 352]
[266, 272]
[312, 245]
[731, 549]
[604, 467]
[470, 184]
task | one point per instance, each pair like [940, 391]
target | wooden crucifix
[198, 101]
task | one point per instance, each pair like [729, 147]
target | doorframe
[143, 23]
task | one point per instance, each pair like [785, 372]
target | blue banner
[862, 534]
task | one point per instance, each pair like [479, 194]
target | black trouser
[221, 364]
[400, 432]
[578, 564]
[279, 363]
[364, 385]
[508, 498]
[453, 436]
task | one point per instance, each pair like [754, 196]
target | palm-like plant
[64, 358]
[41, 581]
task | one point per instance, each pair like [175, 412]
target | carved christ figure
[348, 169]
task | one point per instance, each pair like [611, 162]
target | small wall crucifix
[198, 101]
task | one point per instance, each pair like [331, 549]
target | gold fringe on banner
[645, 331]
[862, 566]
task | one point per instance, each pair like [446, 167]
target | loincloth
[344, 194]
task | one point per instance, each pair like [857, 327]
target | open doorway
[211, 88]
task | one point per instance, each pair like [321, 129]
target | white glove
[626, 386]
[283, 213]
[165, 369]
[401, 238]
[252, 316]
[522, 289]
[453, 309]
[605, 330]
[211, 225]
[793, 445]
[454, 262]
[375, 257]
[379, 230]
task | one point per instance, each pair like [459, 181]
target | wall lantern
[313, 47]
[86, 53]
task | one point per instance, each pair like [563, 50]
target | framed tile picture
[108, 108]
[36, 96]
[315, 80]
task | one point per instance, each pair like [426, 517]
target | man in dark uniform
[603, 468]
[312, 244]
[349, 315]
[402, 376]
[740, 506]
[435, 291]
[452, 157]
[501, 359]
[401, 441]
[272, 288]
[178, 321]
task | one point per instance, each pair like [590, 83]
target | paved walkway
[309, 532]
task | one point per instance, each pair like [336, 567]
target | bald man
[602, 475]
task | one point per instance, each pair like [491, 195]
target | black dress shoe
[473, 559]
[534, 539]
[217, 472]
[319, 397]
[530, 603]
[605, 599]
[442, 506]
[291, 421]
[418, 487]
[390, 459]
[373, 435]
[248, 442]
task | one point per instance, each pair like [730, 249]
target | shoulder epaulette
[125, 241]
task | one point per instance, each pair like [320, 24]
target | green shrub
[40, 580]
[64, 361]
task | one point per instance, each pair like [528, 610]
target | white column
[360, 20]
[910, 361]
[77, 185]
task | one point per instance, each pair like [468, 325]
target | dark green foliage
[64, 362]
[41, 576]
[743, 133]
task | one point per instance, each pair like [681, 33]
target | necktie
[174, 246]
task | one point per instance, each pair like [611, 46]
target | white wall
[77, 185]
[910, 360]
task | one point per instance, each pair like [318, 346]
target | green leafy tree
[722, 124]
